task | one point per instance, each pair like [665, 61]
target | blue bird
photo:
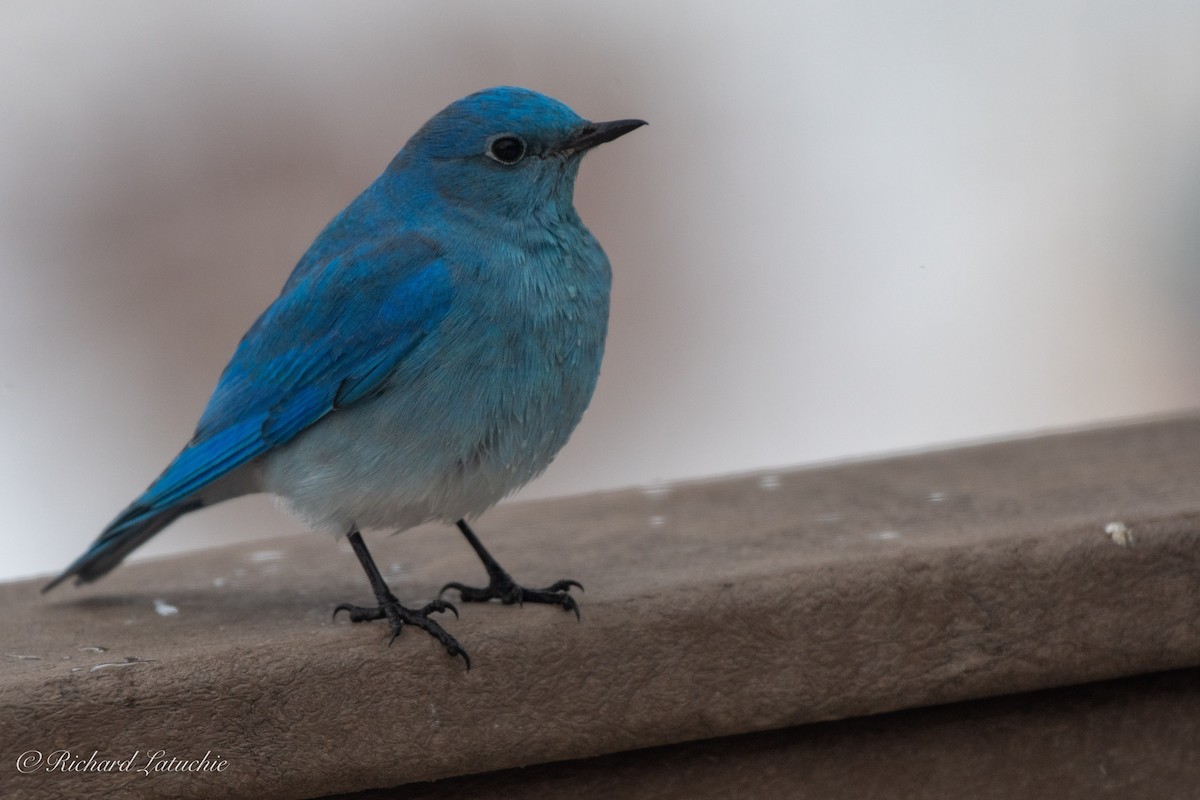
[431, 353]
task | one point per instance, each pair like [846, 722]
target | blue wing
[328, 341]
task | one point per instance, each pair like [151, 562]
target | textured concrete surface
[713, 609]
[1132, 738]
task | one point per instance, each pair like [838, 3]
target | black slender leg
[389, 607]
[501, 586]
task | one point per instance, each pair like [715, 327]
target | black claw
[570, 605]
[439, 606]
[503, 588]
[458, 651]
[399, 616]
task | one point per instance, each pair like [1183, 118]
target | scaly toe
[398, 616]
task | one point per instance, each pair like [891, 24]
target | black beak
[596, 133]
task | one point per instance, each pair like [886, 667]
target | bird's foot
[399, 616]
[503, 588]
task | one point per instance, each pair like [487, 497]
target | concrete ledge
[713, 608]
[1133, 738]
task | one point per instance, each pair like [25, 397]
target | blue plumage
[430, 353]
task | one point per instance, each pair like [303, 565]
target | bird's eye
[506, 148]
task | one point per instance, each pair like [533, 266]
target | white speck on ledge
[768, 482]
[164, 609]
[128, 662]
[884, 535]
[260, 556]
[656, 489]
[1120, 533]
[24, 658]
[93, 649]
[937, 497]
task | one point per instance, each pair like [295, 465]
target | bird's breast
[536, 317]
[478, 408]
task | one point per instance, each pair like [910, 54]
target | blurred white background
[851, 228]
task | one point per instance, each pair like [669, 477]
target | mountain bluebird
[431, 352]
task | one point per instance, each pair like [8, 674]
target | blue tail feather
[125, 534]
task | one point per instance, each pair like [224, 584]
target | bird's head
[507, 150]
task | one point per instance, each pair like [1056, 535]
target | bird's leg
[389, 607]
[501, 585]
